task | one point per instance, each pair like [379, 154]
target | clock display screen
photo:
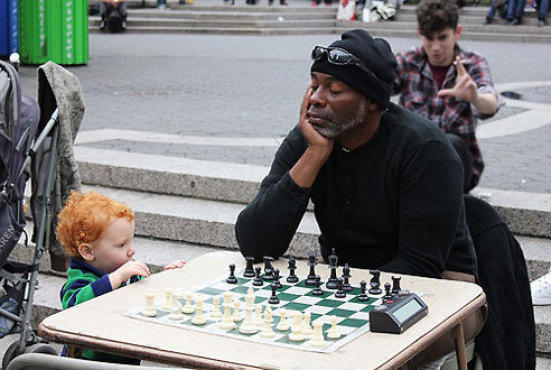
[407, 310]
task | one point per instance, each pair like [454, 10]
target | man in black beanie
[386, 184]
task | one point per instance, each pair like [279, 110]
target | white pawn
[176, 314]
[282, 325]
[226, 323]
[216, 313]
[149, 309]
[296, 329]
[306, 327]
[250, 297]
[258, 316]
[237, 316]
[267, 332]
[188, 307]
[333, 332]
[168, 302]
[248, 326]
[199, 319]
[317, 339]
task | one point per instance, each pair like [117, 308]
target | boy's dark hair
[436, 15]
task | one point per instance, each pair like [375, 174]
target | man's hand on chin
[317, 143]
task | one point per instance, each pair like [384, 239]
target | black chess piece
[232, 279]
[257, 281]
[249, 269]
[346, 276]
[274, 299]
[340, 292]
[317, 291]
[396, 285]
[292, 278]
[388, 292]
[362, 297]
[312, 262]
[268, 269]
[276, 279]
[375, 282]
[332, 282]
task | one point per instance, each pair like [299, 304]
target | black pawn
[340, 292]
[346, 276]
[388, 293]
[232, 279]
[362, 297]
[268, 269]
[332, 282]
[312, 262]
[249, 269]
[375, 282]
[318, 290]
[274, 298]
[276, 279]
[257, 281]
[292, 278]
[396, 285]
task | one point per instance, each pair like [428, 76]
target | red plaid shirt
[418, 93]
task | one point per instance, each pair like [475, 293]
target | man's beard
[335, 128]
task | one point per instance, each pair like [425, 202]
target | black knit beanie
[375, 54]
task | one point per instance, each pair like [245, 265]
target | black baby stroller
[19, 124]
[113, 15]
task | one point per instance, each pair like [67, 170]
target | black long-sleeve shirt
[394, 203]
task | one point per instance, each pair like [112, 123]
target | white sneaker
[541, 290]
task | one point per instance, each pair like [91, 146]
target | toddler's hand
[175, 265]
[126, 271]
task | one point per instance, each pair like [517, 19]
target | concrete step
[465, 20]
[537, 252]
[228, 31]
[215, 23]
[268, 13]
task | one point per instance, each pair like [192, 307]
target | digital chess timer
[397, 313]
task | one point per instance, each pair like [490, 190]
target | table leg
[73, 352]
[459, 337]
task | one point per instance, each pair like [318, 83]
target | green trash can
[55, 30]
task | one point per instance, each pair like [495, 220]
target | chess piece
[199, 319]
[306, 327]
[176, 314]
[232, 279]
[248, 326]
[312, 262]
[276, 278]
[388, 292]
[237, 316]
[267, 331]
[257, 281]
[282, 325]
[168, 302]
[226, 323]
[216, 313]
[149, 309]
[268, 269]
[362, 297]
[249, 270]
[273, 299]
[249, 298]
[296, 328]
[258, 316]
[332, 282]
[346, 276]
[340, 292]
[188, 307]
[396, 285]
[317, 292]
[375, 282]
[318, 340]
[292, 278]
[333, 332]
[268, 313]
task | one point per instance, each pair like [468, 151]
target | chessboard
[348, 316]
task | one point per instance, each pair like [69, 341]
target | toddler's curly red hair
[85, 217]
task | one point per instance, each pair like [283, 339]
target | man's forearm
[305, 171]
[486, 103]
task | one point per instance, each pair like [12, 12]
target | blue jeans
[543, 8]
[516, 9]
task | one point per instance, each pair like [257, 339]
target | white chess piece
[268, 312]
[333, 332]
[226, 323]
[249, 299]
[176, 314]
[199, 319]
[237, 316]
[267, 332]
[188, 307]
[227, 298]
[317, 339]
[296, 329]
[258, 316]
[248, 326]
[306, 327]
[216, 313]
[149, 309]
[282, 325]
[168, 302]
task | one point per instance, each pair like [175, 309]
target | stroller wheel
[11, 353]
[41, 348]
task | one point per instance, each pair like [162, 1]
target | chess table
[107, 323]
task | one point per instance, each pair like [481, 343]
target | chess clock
[397, 313]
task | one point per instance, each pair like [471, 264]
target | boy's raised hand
[465, 88]
[175, 265]
[126, 271]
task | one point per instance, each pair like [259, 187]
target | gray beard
[336, 128]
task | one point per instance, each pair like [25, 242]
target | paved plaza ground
[220, 86]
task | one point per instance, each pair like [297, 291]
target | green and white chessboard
[352, 315]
